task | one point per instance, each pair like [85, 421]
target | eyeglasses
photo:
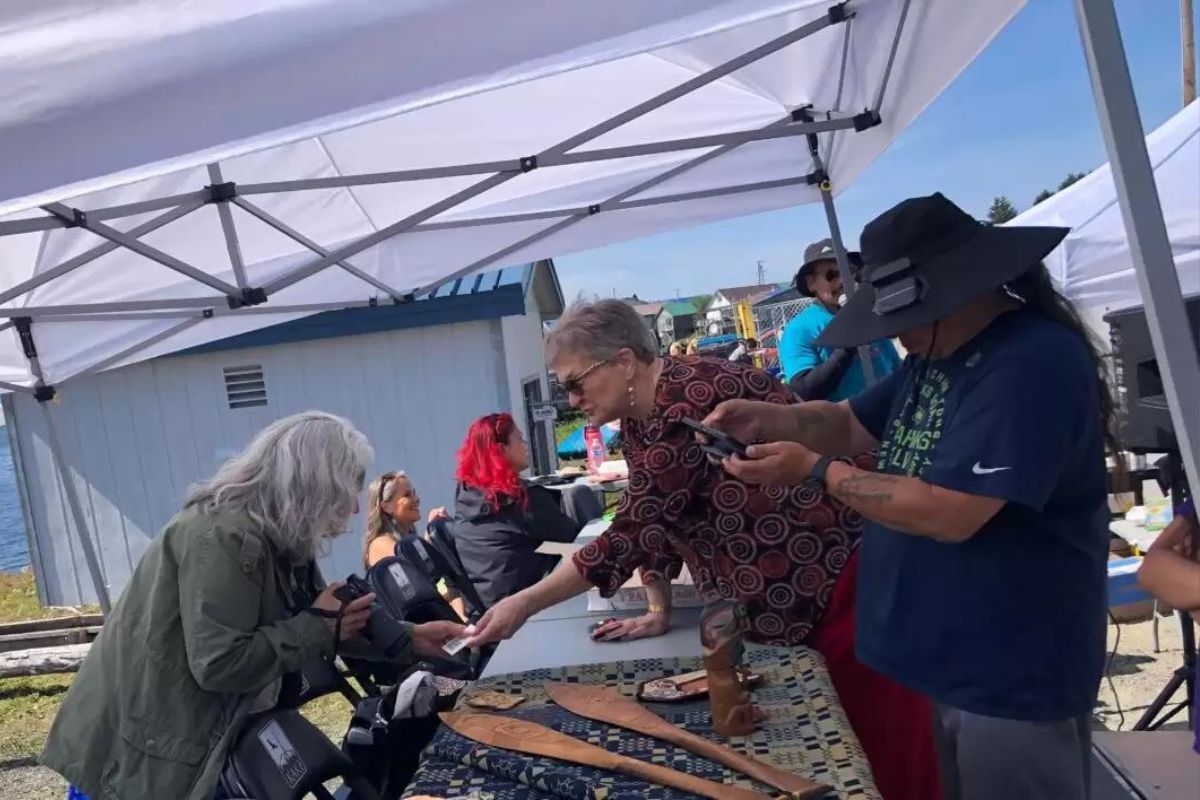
[575, 385]
[832, 275]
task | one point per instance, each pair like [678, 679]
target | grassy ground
[19, 600]
[27, 705]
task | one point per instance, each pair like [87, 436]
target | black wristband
[819, 469]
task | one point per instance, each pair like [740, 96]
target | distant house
[678, 320]
[652, 313]
[412, 377]
[719, 314]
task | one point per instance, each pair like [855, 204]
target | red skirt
[894, 724]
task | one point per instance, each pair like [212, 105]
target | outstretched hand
[500, 622]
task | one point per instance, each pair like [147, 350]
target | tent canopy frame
[1116, 109]
[244, 298]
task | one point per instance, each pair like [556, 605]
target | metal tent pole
[81, 528]
[839, 249]
[609, 204]
[849, 281]
[298, 237]
[96, 252]
[230, 230]
[836, 14]
[44, 394]
[142, 249]
[1125, 140]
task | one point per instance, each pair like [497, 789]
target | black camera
[384, 632]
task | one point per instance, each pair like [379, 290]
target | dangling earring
[632, 395]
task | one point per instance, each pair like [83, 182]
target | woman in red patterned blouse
[788, 555]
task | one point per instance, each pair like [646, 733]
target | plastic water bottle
[593, 442]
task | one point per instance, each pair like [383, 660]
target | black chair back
[440, 538]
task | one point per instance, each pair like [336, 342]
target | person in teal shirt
[824, 373]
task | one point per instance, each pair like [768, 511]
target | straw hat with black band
[926, 258]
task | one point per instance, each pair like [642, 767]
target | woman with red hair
[499, 521]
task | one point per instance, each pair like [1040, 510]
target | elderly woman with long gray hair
[222, 610]
[789, 556]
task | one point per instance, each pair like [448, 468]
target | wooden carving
[529, 737]
[721, 628]
[606, 705]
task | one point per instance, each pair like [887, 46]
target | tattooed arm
[910, 504]
[905, 504]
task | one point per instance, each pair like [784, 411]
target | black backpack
[279, 755]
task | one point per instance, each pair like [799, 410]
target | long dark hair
[1037, 292]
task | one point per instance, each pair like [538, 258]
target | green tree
[1072, 177]
[1002, 210]
[701, 302]
[1045, 194]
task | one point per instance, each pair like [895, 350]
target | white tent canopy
[1094, 265]
[398, 136]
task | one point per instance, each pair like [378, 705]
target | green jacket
[200, 639]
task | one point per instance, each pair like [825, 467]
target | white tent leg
[1116, 106]
[85, 540]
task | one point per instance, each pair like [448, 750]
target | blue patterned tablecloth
[805, 732]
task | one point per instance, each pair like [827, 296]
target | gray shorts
[988, 758]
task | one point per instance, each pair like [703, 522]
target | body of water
[14, 547]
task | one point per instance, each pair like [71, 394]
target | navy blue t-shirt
[1010, 623]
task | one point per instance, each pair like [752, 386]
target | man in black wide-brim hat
[982, 571]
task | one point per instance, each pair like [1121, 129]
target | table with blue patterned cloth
[805, 732]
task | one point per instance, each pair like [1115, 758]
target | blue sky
[1016, 121]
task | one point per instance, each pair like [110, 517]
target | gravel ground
[1138, 674]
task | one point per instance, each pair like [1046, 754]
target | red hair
[481, 461]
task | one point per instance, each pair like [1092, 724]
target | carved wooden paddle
[529, 737]
[606, 705]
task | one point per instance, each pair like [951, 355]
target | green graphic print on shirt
[909, 442]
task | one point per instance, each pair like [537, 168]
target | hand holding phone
[717, 444]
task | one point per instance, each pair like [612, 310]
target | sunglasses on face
[831, 275]
[575, 385]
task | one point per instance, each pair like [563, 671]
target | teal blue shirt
[797, 353]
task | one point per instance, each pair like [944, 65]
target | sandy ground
[1137, 672]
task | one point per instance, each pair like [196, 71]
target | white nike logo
[981, 470]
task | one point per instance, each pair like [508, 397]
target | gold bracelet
[657, 609]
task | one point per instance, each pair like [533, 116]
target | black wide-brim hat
[926, 258]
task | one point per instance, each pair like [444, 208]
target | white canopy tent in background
[1094, 266]
[177, 172]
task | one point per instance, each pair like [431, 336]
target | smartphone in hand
[720, 445]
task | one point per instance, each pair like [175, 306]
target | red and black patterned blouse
[778, 551]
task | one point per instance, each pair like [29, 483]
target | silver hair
[599, 330]
[299, 479]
